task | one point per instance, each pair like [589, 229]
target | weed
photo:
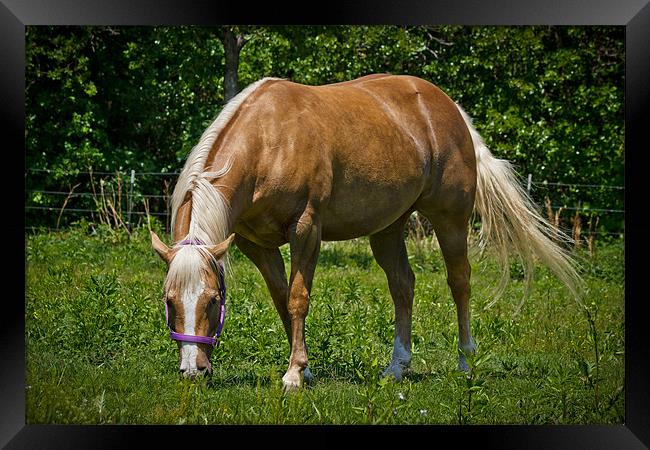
[471, 394]
[372, 384]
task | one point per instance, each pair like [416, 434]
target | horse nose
[203, 363]
[203, 367]
[191, 374]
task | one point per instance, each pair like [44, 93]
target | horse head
[194, 296]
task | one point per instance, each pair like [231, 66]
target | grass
[98, 351]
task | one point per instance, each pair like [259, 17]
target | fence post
[530, 181]
[131, 199]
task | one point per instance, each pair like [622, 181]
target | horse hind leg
[389, 250]
[451, 232]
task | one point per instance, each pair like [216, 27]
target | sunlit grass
[98, 350]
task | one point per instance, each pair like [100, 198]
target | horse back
[364, 151]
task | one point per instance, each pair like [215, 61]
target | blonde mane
[209, 215]
[183, 270]
[210, 211]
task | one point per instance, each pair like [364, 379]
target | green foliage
[470, 391]
[549, 99]
[94, 325]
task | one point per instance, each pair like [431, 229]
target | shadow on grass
[418, 377]
[249, 379]
[319, 378]
[338, 257]
[353, 379]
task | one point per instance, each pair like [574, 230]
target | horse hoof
[308, 375]
[291, 383]
[394, 371]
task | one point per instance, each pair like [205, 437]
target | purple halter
[213, 341]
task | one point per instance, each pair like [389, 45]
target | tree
[233, 40]
[549, 99]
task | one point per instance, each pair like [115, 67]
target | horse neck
[182, 223]
[213, 207]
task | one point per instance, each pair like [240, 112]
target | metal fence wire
[114, 197]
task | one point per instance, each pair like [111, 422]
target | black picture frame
[634, 15]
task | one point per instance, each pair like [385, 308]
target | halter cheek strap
[213, 341]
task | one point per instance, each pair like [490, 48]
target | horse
[290, 163]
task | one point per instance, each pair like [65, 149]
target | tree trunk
[232, 45]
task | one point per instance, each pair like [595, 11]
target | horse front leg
[271, 265]
[304, 242]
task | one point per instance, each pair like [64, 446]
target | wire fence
[116, 200]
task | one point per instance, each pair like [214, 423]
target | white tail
[510, 222]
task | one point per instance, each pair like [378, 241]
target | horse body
[360, 166]
[302, 164]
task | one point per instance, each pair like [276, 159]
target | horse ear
[217, 251]
[159, 246]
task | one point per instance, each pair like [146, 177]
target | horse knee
[458, 274]
[298, 308]
[458, 282]
[460, 292]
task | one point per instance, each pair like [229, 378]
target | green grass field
[98, 351]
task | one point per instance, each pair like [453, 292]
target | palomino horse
[285, 162]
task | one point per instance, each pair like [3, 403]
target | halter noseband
[213, 341]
